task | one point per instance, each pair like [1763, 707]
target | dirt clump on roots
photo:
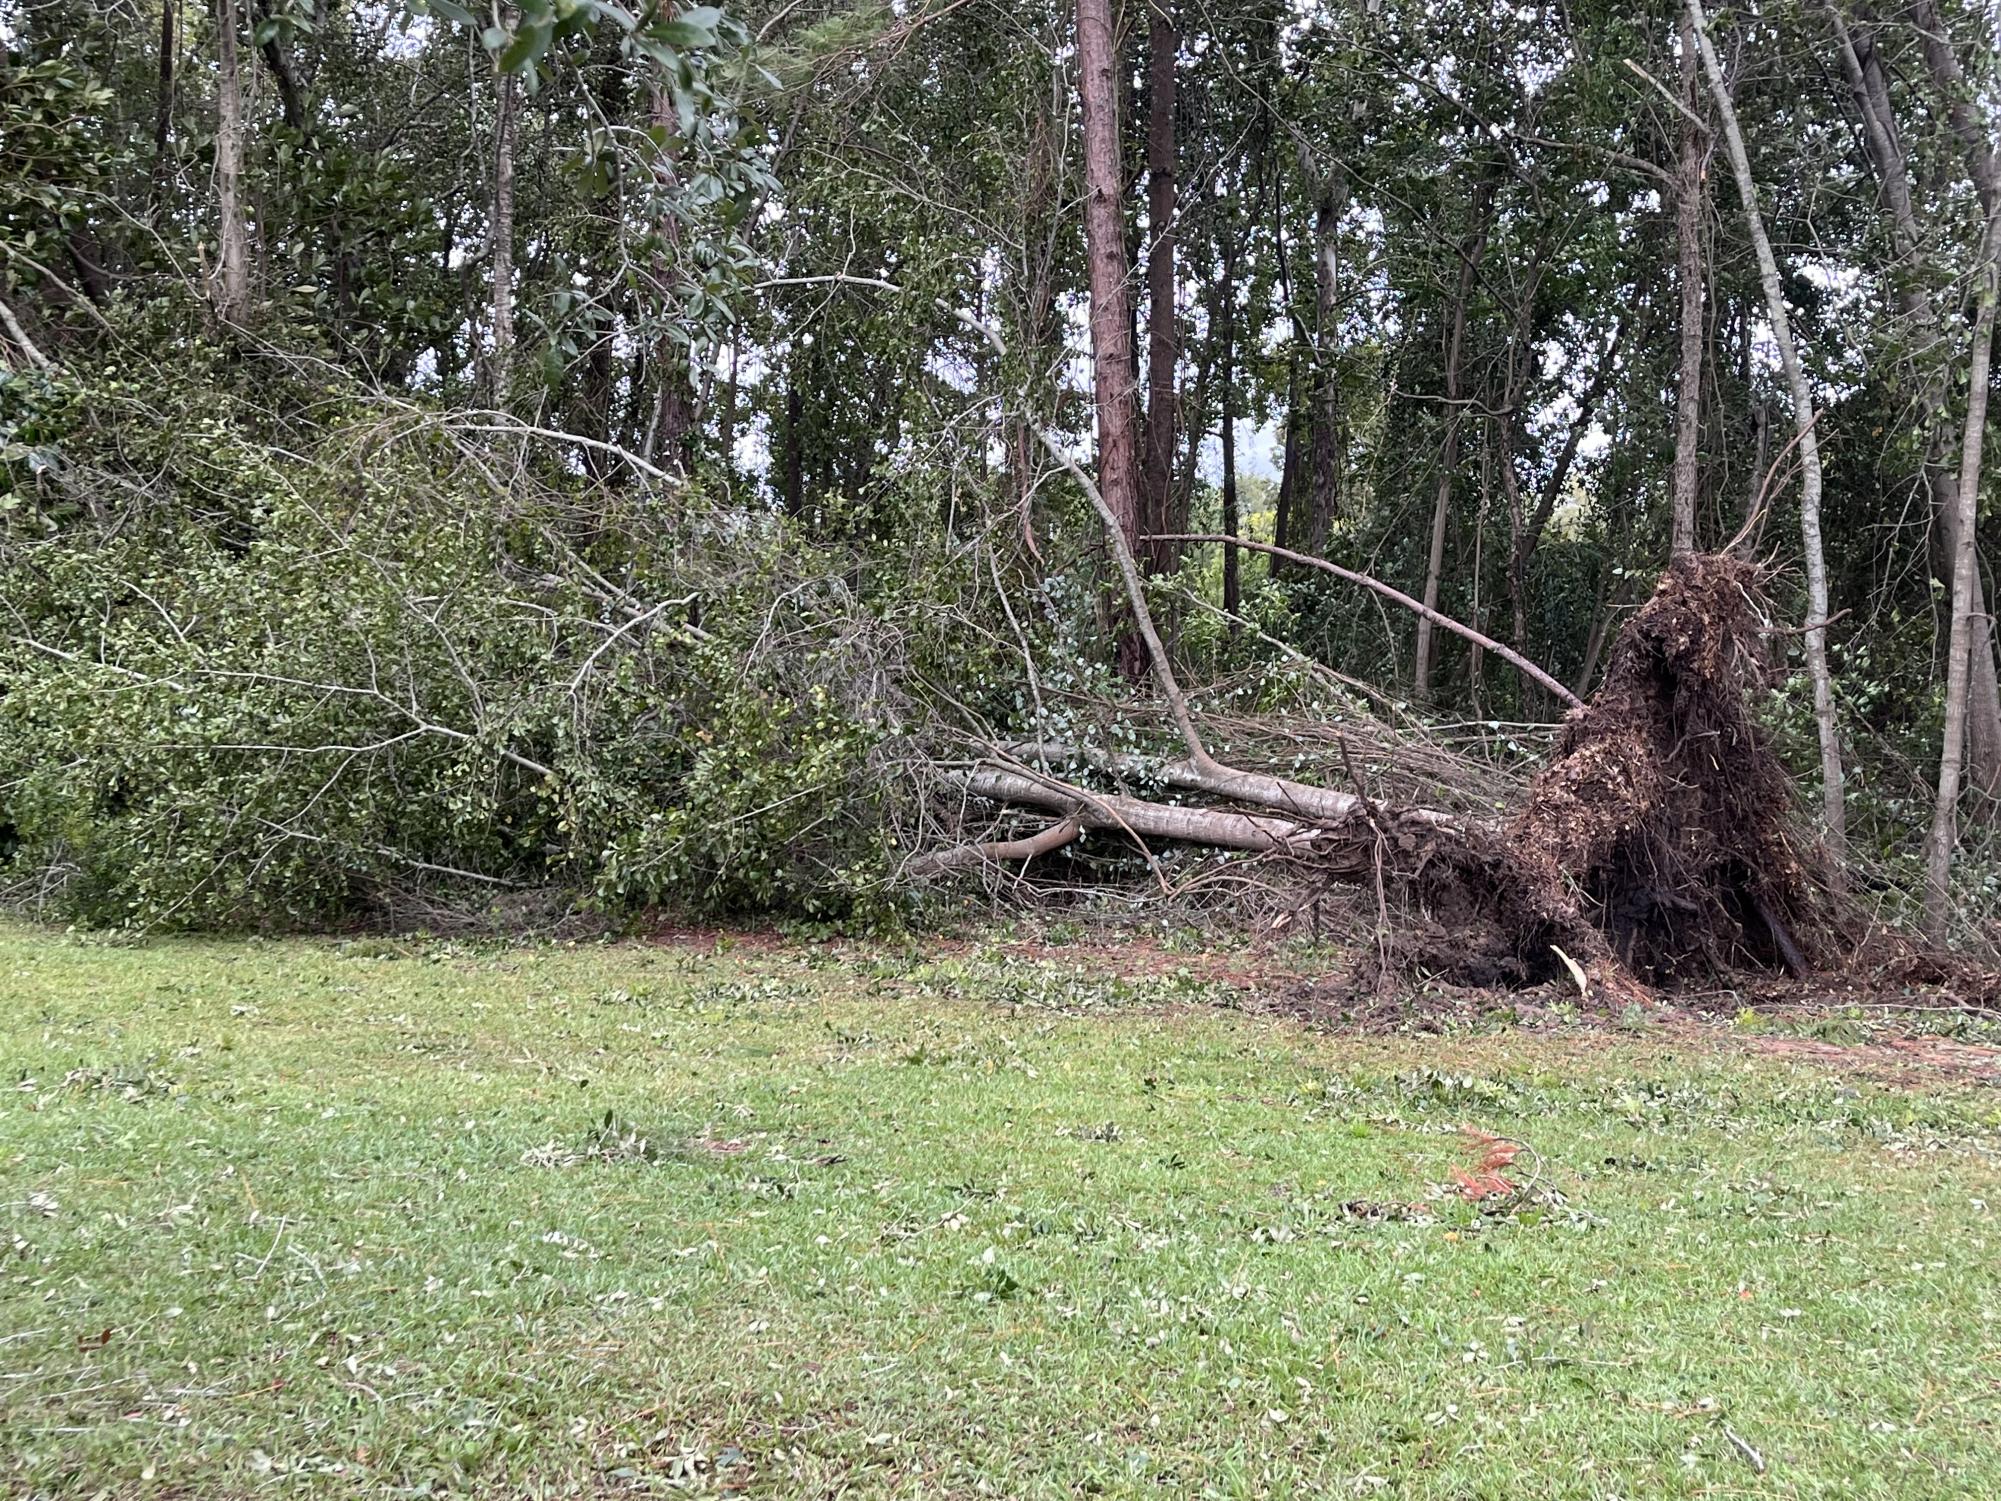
[1661, 839]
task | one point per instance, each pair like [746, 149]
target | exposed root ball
[1663, 819]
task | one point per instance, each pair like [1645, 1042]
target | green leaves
[700, 26]
[540, 24]
[527, 48]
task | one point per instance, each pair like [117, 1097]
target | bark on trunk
[506, 104]
[1527, 529]
[1448, 459]
[1330, 191]
[674, 415]
[1984, 707]
[1688, 181]
[291, 98]
[1944, 831]
[1227, 327]
[232, 276]
[1113, 376]
[163, 117]
[1163, 43]
[1111, 810]
[1286, 505]
[1833, 801]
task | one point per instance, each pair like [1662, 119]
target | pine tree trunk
[1114, 378]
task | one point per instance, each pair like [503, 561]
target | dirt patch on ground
[1902, 1061]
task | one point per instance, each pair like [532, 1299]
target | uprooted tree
[1658, 843]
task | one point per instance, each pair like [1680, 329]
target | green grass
[347, 1219]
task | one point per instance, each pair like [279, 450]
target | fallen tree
[1658, 844]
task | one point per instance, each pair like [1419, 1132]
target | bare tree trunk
[1833, 799]
[674, 415]
[503, 241]
[792, 457]
[1983, 751]
[1527, 530]
[1114, 378]
[163, 117]
[1957, 96]
[1330, 191]
[1938, 848]
[232, 277]
[1448, 459]
[1163, 43]
[1227, 322]
[507, 103]
[1688, 179]
[1285, 518]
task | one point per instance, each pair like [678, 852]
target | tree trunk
[232, 276]
[1688, 179]
[726, 417]
[163, 117]
[1113, 376]
[1833, 800]
[1330, 193]
[1938, 848]
[291, 99]
[1931, 356]
[1163, 43]
[1227, 328]
[1984, 171]
[792, 465]
[1286, 504]
[507, 102]
[1527, 530]
[673, 420]
[1448, 459]
[1983, 751]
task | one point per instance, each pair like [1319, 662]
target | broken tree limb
[998, 851]
[1521, 663]
[1212, 826]
[1277, 793]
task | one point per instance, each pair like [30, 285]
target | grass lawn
[402, 1219]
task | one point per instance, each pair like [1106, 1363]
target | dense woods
[808, 457]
